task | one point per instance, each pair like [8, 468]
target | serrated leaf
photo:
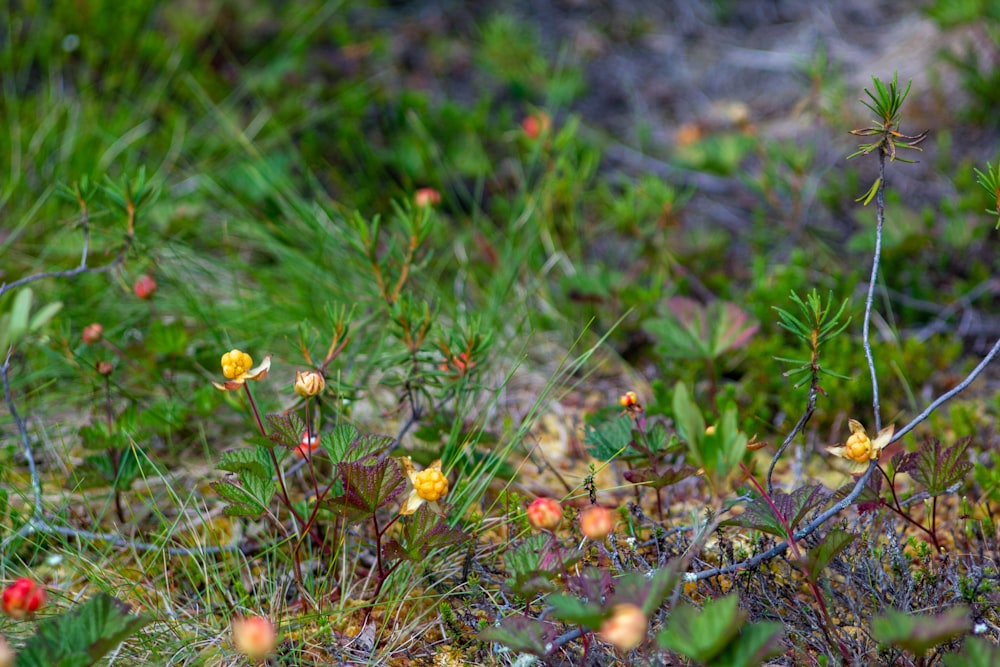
[701, 634]
[935, 469]
[756, 643]
[522, 634]
[758, 515]
[570, 609]
[82, 635]
[918, 633]
[249, 496]
[285, 430]
[534, 566]
[820, 556]
[255, 462]
[423, 532]
[368, 485]
[129, 468]
[976, 652]
[346, 444]
[795, 505]
[611, 439]
[660, 477]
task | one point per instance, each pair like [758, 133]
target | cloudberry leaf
[423, 532]
[611, 439]
[976, 652]
[345, 444]
[660, 476]
[285, 430]
[82, 635]
[917, 633]
[534, 566]
[247, 495]
[820, 556]
[702, 634]
[793, 507]
[255, 462]
[756, 643]
[368, 485]
[935, 469]
[522, 634]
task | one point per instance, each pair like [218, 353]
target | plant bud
[254, 636]
[104, 368]
[23, 598]
[425, 197]
[144, 287]
[536, 124]
[544, 514]
[92, 333]
[309, 383]
[596, 523]
[625, 628]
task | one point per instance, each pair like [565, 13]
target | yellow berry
[858, 447]
[235, 363]
[431, 484]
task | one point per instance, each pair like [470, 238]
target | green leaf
[820, 556]
[570, 609]
[81, 636]
[522, 634]
[129, 468]
[256, 462]
[17, 327]
[918, 633]
[659, 587]
[534, 566]
[285, 429]
[793, 507]
[251, 492]
[690, 424]
[937, 470]
[866, 198]
[756, 643]
[423, 532]
[345, 444]
[611, 439]
[368, 485]
[660, 476]
[43, 315]
[976, 652]
[701, 634]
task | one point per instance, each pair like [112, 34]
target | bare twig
[866, 329]
[39, 524]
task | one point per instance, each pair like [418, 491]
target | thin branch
[39, 524]
[951, 393]
[803, 420]
[866, 329]
[22, 430]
